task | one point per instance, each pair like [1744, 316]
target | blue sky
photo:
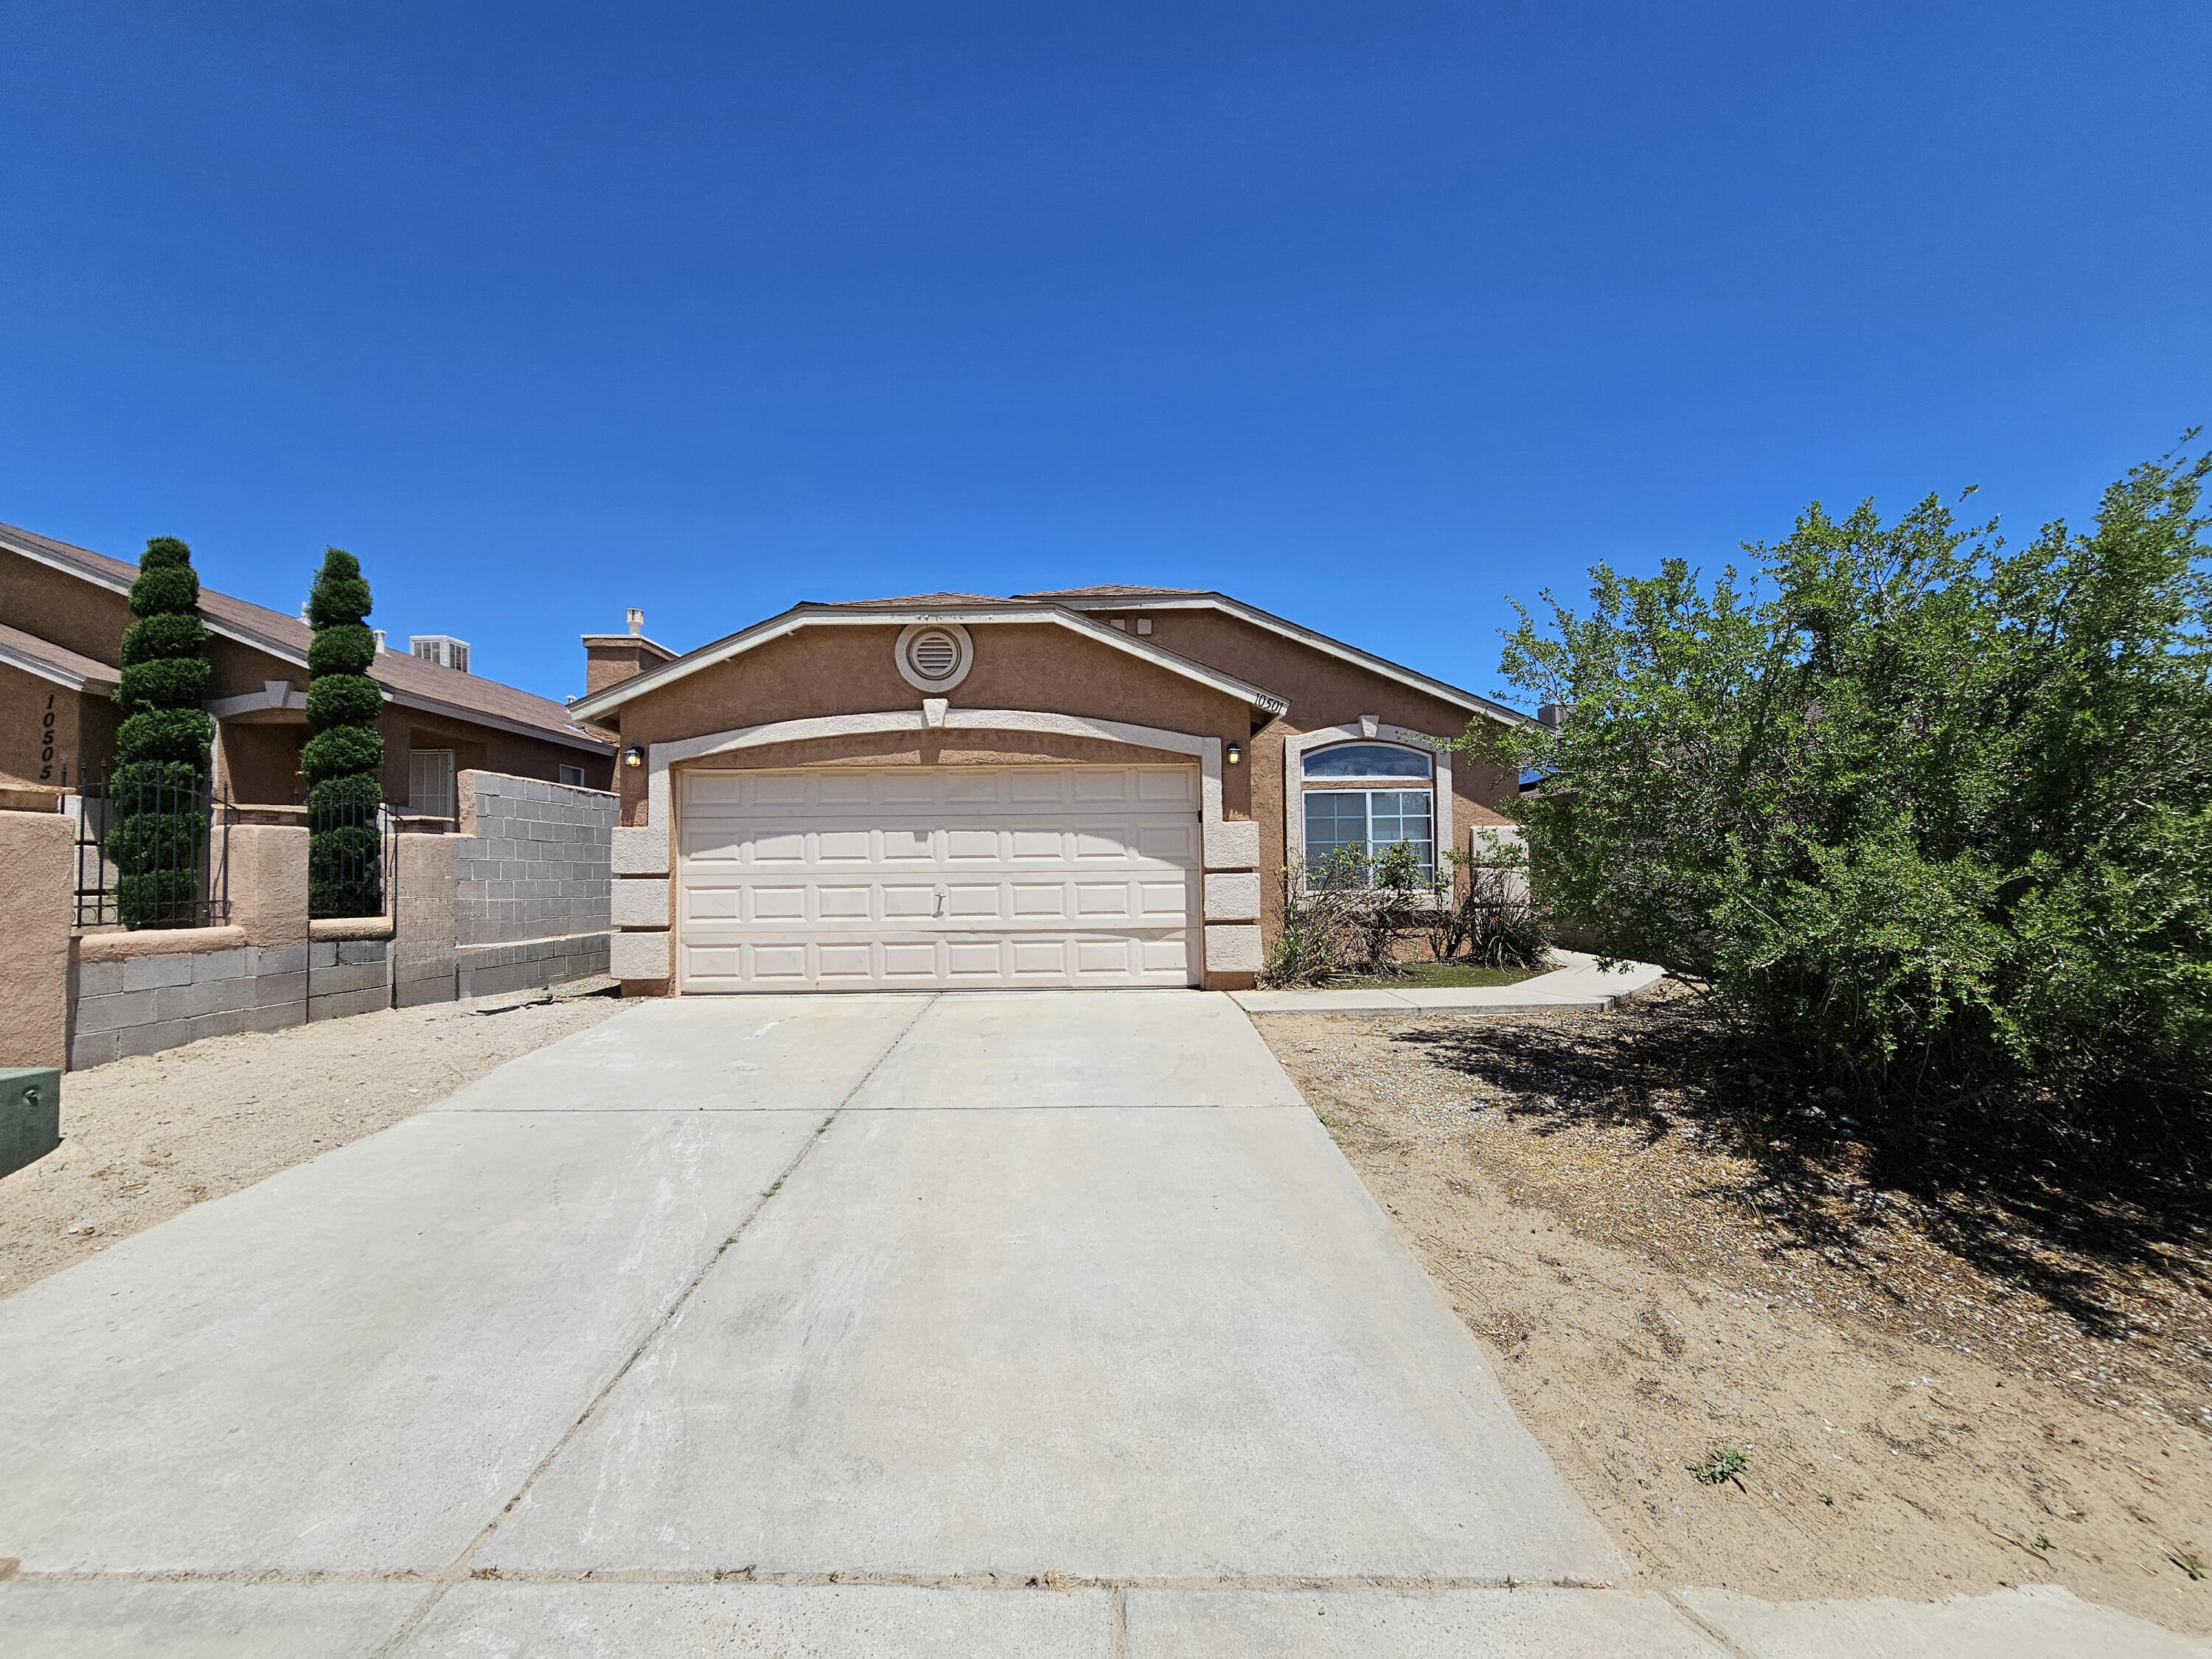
[1372, 314]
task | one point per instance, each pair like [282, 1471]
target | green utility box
[30, 1114]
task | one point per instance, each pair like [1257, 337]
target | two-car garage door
[875, 877]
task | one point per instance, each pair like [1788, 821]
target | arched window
[1369, 794]
[1368, 760]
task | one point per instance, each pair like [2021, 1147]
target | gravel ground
[144, 1138]
[1660, 1272]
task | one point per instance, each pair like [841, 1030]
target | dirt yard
[1933, 1395]
[144, 1138]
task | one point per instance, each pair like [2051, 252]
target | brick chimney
[610, 658]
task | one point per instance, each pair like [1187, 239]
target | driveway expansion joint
[460, 1571]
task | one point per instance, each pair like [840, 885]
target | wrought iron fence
[349, 849]
[152, 848]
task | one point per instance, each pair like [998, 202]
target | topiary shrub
[157, 794]
[344, 753]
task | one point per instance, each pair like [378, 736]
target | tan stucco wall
[38, 599]
[37, 879]
[32, 750]
[843, 670]
[1324, 692]
[610, 660]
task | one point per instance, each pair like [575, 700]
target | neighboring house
[1091, 787]
[63, 611]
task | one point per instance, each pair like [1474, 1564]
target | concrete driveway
[972, 1325]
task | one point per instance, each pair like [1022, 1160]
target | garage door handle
[941, 890]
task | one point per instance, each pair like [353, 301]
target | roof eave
[811, 615]
[54, 673]
[1440, 689]
[478, 717]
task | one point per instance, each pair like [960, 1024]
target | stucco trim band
[156, 942]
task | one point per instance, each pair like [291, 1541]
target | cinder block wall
[141, 1004]
[532, 871]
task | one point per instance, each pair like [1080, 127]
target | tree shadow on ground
[2026, 1187]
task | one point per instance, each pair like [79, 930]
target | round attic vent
[934, 656]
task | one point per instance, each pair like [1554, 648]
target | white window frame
[1295, 748]
[575, 782]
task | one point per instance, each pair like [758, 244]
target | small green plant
[2191, 1565]
[2042, 1544]
[1721, 1463]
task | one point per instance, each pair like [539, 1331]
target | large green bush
[344, 756]
[157, 823]
[1934, 811]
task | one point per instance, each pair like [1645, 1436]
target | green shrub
[353, 789]
[1933, 812]
[164, 683]
[167, 590]
[165, 553]
[156, 793]
[347, 648]
[342, 750]
[340, 595]
[168, 734]
[343, 700]
[152, 637]
[163, 894]
[344, 755]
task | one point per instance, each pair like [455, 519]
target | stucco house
[1091, 787]
[62, 611]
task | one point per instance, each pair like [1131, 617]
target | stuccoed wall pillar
[269, 884]
[420, 886]
[36, 887]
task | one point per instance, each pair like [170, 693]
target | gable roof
[1199, 599]
[54, 662]
[963, 609]
[408, 680]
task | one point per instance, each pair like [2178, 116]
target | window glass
[1334, 818]
[1367, 760]
[1397, 815]
[1373, 819]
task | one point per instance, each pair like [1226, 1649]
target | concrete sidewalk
[1028, 1324]
[1577, 983]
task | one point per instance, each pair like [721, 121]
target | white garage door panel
[954, 876]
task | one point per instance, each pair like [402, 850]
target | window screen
[430, 782]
